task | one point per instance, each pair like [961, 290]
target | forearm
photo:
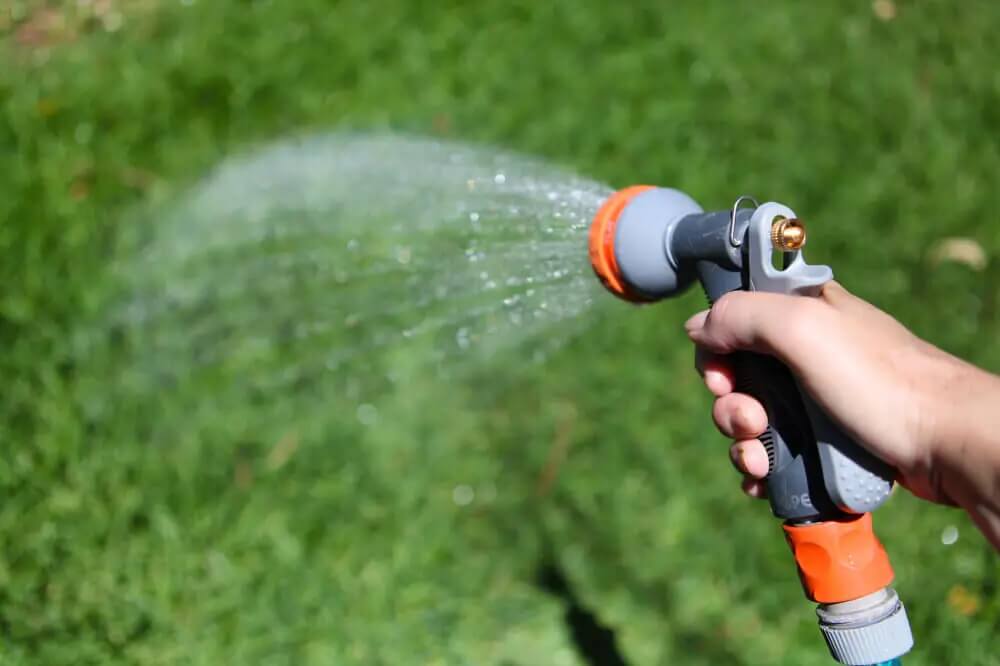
[965, 451]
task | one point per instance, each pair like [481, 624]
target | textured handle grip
[795, 482]
[815, 469]
[855, 480]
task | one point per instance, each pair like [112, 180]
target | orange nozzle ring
[839, 560]
[602, 243]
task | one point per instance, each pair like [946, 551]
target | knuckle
[723, 318]
[803, 320]
[721, 311]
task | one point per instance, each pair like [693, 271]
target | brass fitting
[788, 234]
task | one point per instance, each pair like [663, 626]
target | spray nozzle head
[602, 243]
[630, 243]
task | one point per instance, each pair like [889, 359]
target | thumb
[776, 324]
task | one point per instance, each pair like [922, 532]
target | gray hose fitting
[868, 630]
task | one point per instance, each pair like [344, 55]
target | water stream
[310, 259]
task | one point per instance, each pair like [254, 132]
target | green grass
[170, 531]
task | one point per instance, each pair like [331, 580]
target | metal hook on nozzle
[733, 240]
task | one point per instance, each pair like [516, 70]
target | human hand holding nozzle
[933, 417]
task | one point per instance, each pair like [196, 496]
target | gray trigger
[799, 277]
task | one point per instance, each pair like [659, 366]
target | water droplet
[367, 414]
[499, 179]
[484, 276]
[949, 535]
[407, 332]
[463, 495]
[353, 244]
[490, 284]
[511, 300]
[403, 255]
[462, 338]
[473, 217]
[552, 196]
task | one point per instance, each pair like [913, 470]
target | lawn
[577, 511]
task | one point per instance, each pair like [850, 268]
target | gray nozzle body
[663, 242]
[643, 240]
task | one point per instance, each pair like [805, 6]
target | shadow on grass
[595, 642]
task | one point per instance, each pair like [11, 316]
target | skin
[932, 416]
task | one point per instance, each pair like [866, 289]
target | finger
[750, 457]
[754, 488]
[716, 370]
[738, 416]
[757, 321]
[836, 295]
[841, 300]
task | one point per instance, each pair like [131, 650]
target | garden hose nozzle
[649, 243]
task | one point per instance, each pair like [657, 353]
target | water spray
[650, 243]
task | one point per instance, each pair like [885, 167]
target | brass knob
[787, 234]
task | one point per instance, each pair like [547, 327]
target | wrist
[941, 404]
[961, 439]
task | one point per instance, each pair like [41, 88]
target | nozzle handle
[816, 470]
[855, 480]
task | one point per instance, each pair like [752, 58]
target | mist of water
[309, 258]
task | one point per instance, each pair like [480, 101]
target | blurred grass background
[319, 540]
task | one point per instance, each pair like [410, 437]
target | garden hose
[649, 243]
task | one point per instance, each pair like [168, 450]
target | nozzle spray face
[630, 248]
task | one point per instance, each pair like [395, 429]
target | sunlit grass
[410, 526]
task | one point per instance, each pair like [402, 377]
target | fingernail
[741, 457]
[715, 381]
[754, 488]
[696, 322]
[754, 461]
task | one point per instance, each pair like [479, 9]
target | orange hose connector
[839, 560]
[602, 243]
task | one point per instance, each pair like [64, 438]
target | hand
[908, 402]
